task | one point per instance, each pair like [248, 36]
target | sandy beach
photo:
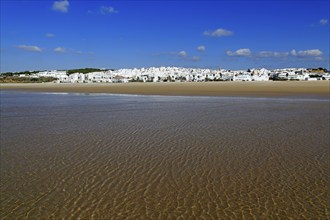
[257, 89]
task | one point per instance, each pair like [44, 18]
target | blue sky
[66, 34]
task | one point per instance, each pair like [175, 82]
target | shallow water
[157, 157]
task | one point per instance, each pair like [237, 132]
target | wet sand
[238, 89]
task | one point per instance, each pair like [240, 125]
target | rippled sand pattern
[136, 157]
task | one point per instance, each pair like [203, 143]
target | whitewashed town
[180, 74]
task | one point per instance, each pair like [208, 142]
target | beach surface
[242, 89]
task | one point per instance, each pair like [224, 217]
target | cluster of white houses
[179, 74]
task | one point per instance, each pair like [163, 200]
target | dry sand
[255, 89]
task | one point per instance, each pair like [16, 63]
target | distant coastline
[238, 89]
[164, 74]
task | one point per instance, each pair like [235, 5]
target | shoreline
[228, 89]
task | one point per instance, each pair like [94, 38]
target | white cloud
[50, 35]
[182, 54]
[30, 48]
[201, 48]
[59, 50]
[324, 21]
[240, 52]
[107, 10]
[307, 53]
[61, 6]
[218, 33]
[272, 54]
[293, 52]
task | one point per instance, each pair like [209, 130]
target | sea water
[160, 157]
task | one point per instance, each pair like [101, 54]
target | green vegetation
[85, 70]
[318, 70]
[18, 73]
[16, 79]
[81, 70]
